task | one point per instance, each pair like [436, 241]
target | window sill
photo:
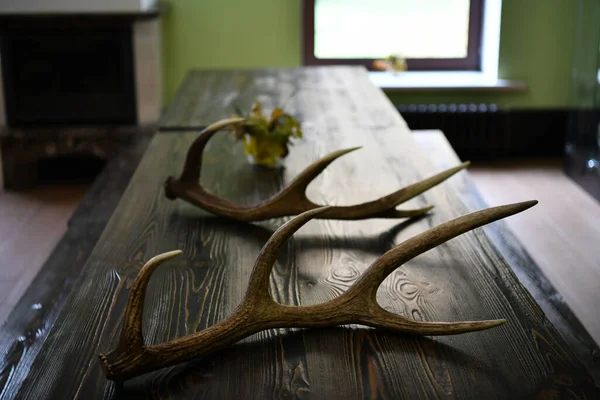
[410, 81]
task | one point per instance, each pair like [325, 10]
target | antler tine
[131, 340]
[193, 163]
[295, 192]
[381, 318]
[417, 188]
[258, 285]
[409, 249]
[384, 207]
[132, 324]
[365, 288]
[309, 174]
[291, 200]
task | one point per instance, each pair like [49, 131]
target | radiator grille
[486, 131]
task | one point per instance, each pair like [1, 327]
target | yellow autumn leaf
[277, 112]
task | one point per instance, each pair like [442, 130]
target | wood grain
[27, 326]
[467, 278]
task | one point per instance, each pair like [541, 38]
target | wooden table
[468, 278]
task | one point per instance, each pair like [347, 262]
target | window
[430, 34]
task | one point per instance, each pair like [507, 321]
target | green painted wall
[535, 45]
[228, 34]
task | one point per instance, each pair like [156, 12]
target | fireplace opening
[83, 75]
[77, 89]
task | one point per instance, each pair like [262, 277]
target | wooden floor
[31, 224]
[562, 233]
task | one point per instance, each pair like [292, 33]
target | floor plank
[562, 233]
[32, 222]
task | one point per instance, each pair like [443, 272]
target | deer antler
[291, 200]
[258, 311]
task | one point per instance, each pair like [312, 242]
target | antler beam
[291, 200]
[258, 311]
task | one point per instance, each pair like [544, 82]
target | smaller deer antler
[291, 200]
[258, 311]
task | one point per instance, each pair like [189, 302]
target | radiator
[486, 131]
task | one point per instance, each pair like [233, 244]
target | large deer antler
[291, 200]
[258, 311]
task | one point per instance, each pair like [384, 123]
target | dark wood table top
[469, 278]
